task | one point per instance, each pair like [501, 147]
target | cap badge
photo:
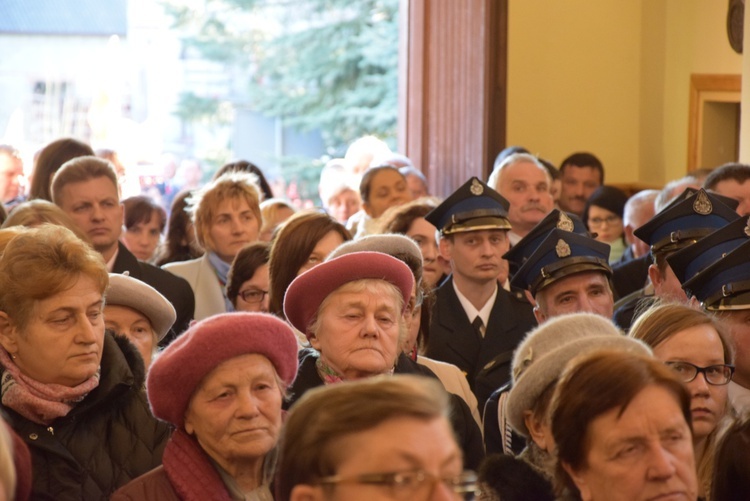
[476, 187]
[702, 204]
[564, 222]
[562, 249]
[747, 228]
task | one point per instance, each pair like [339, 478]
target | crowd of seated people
[535, 335]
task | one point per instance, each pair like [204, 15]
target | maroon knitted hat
[179, 369]
[307, 291]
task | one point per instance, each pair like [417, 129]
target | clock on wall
[735, 24]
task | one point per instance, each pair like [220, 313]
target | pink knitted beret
[307, 291]
[179, 369]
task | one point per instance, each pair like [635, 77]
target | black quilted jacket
[107, 440]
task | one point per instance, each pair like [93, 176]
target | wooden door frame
[707, 88]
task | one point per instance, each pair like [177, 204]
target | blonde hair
[233, 185]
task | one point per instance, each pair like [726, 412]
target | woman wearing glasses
[694, 345]
[603, 217]
[366, 440]
[247, 280]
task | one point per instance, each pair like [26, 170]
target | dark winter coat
[485, 360]
[105, 441]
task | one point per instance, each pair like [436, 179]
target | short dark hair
[583, 159]
[140, 209]
[246, 262]
[728, 172]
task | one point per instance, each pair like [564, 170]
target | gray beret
[128, 291]
[387, 243]
[543, 354]
[393, 244]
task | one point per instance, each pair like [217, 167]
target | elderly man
[522, 180]
[565, 271]
[581, 174]
[11, 173]
[476, 324]
[638, 210]
[85, 188]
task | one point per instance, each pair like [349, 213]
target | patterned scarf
[39, 402]
[329, 375]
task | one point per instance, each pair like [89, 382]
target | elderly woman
[351, 308]
[366, 440]
[302, 242]
[405, 249]
[537, 364]
[226, 215]
[621, 424]
[144, 224]
[72, 392]
[233, 371]
[247, 285]
[695, 346]
[137, 311]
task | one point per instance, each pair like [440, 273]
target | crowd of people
[536, 336]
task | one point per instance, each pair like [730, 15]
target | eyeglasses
[715, 374]
[253, 295]
[598, 221]
[413, 485]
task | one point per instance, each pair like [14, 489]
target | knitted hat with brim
[178, 371]
[543, 354]
[306, 292]
[131, 292]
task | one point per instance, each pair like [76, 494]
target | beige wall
[612, 77]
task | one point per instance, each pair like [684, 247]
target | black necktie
[478, 324]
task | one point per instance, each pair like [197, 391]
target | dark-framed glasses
[598, 221]
[253, 295]
[413, 485]
[719, 374]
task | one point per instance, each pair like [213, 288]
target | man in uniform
[476, 324]
[691, 216]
